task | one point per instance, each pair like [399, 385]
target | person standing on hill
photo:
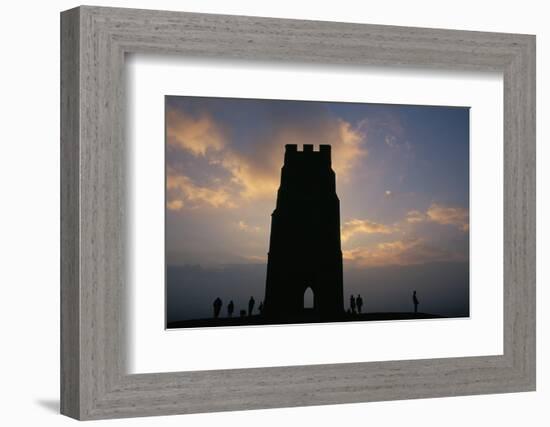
[251, 303]
[415, 302]
[217, 307]
[359, 302]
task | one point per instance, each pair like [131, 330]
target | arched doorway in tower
[309, 298]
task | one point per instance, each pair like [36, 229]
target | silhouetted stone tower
[304, 247]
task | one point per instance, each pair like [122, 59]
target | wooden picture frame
[94, 382]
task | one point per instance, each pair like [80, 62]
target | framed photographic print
[259, 231]
[262, 213]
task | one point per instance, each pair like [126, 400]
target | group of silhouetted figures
[218, 303]
[356, 303]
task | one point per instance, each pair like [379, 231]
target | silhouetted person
[352, 304]
[217, 307]
[251, 303]
[359, 302]
[243, 313]
[415, 302]
[261, 307]
[230, 308]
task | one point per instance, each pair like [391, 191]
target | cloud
[440, 214]
[254, 165]
[195, 134]
[256, 258]
[400, 252]
[415, 216]
[175, 205]
[456, 216]
[253, 180]
[248, 228]
[409, 250]
[348, 148]
[181, 187]
[259, 171]
[356, 226]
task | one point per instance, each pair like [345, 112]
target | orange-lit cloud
[181, 187]
[404, 251]
[449, 215]
[196, 134]
[348, 142]
[255, 170]
[175, 204]
[363, 226]
[256, 258]
[440, 214]
[347, 149]
[415, 216]
[399, 252]
[254, 181]
[242, 225]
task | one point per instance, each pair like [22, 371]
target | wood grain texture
[70, 220]
[94, 381]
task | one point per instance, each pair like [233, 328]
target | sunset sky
[401, 177]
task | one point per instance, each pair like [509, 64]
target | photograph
[291, 211]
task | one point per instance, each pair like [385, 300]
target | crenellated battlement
[307, 148]
[308, 152]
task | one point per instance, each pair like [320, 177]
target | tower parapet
[308, 154]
